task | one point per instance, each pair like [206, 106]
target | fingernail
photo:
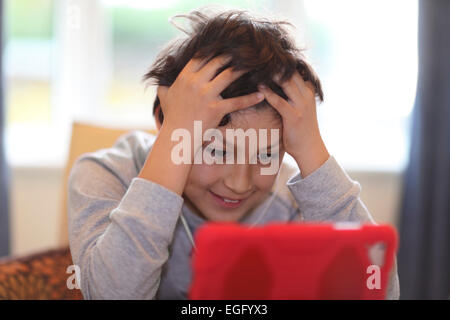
[259, 95]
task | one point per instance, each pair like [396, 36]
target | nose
[239, 178]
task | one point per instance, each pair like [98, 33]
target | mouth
[227, 202]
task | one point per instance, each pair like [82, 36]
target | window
[138, 29]
[365, 53]
[85, 60]
[27, 67]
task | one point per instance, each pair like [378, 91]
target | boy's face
[212, 189]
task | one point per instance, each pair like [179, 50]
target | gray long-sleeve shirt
[126, 236]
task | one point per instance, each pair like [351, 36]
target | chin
[224, 217]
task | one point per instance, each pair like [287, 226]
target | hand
[196, 96]
[301, 135]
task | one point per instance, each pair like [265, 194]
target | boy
[133, 209]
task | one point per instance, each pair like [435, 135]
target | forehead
[263, 118]
[254, 119]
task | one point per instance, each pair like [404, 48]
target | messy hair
[260, 45]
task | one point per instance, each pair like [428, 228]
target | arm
[328, 194]
[119, 236]
[323, 191]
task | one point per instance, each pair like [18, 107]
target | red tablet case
[291, 261]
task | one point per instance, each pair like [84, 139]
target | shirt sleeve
[329, 195]
[119, 235]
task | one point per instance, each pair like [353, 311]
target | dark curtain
[423, 260]
[4, 173]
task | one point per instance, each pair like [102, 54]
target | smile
[226, 202]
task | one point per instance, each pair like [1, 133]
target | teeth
[232, 201]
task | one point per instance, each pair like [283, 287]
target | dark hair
[257, 44]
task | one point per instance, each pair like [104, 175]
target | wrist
[159, 166]
[311, 157]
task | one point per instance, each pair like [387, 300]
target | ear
[161, 91]
[158, 110]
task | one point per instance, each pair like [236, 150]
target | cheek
[203, 175]
[264, 183]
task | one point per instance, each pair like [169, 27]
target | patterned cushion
[38, 276]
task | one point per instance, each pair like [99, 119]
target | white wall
[36, 202]
[381, 193]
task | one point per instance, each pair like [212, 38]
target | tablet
[292, 261]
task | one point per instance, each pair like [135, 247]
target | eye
[265, 158]
[219, 153]
[214, 152]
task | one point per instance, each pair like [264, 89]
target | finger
[281, 105]
[241, 102]
[289, 87]
[305, 87]
[192, 66]
[223, 80]
[207, 72]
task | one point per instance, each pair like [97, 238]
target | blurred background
[83, 60]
